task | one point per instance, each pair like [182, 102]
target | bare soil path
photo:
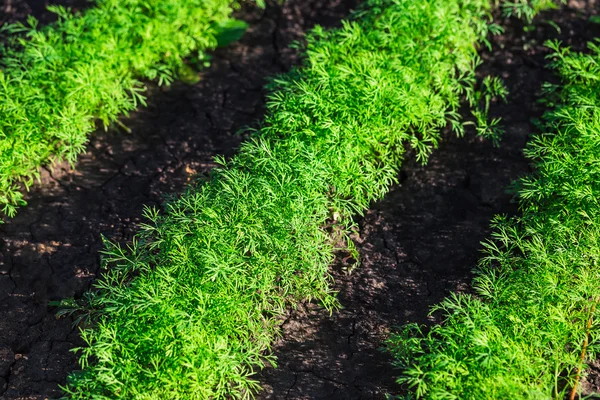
[50, 250]
[421, 242]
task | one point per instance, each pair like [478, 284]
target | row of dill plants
[189, 309]
[58, 80]
[531, 324]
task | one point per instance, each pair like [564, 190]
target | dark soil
[19, 10]
[421, 242]
[50, 250]
[417, 245]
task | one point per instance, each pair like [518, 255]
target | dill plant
[57, 81]
[525, 333]
[527, 9]
[188, 310]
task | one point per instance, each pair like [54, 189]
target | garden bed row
[58, 80]
[531, 325]
[50, 249]
[294, 189]
[192, 305]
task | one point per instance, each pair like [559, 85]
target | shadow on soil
[421, 241]
[50, 250]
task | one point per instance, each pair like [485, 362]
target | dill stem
[584, 349]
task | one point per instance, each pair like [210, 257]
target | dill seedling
[57, 81]
[190, 308]
[525, 334]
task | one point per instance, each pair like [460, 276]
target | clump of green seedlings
[531, 325]
[189, 309]
[57, 81]
[527, 9]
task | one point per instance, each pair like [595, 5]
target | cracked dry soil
[416, 245]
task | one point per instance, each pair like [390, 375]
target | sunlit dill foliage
[57, 81]
[527, 9]
[190, 308]
[523, 334]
